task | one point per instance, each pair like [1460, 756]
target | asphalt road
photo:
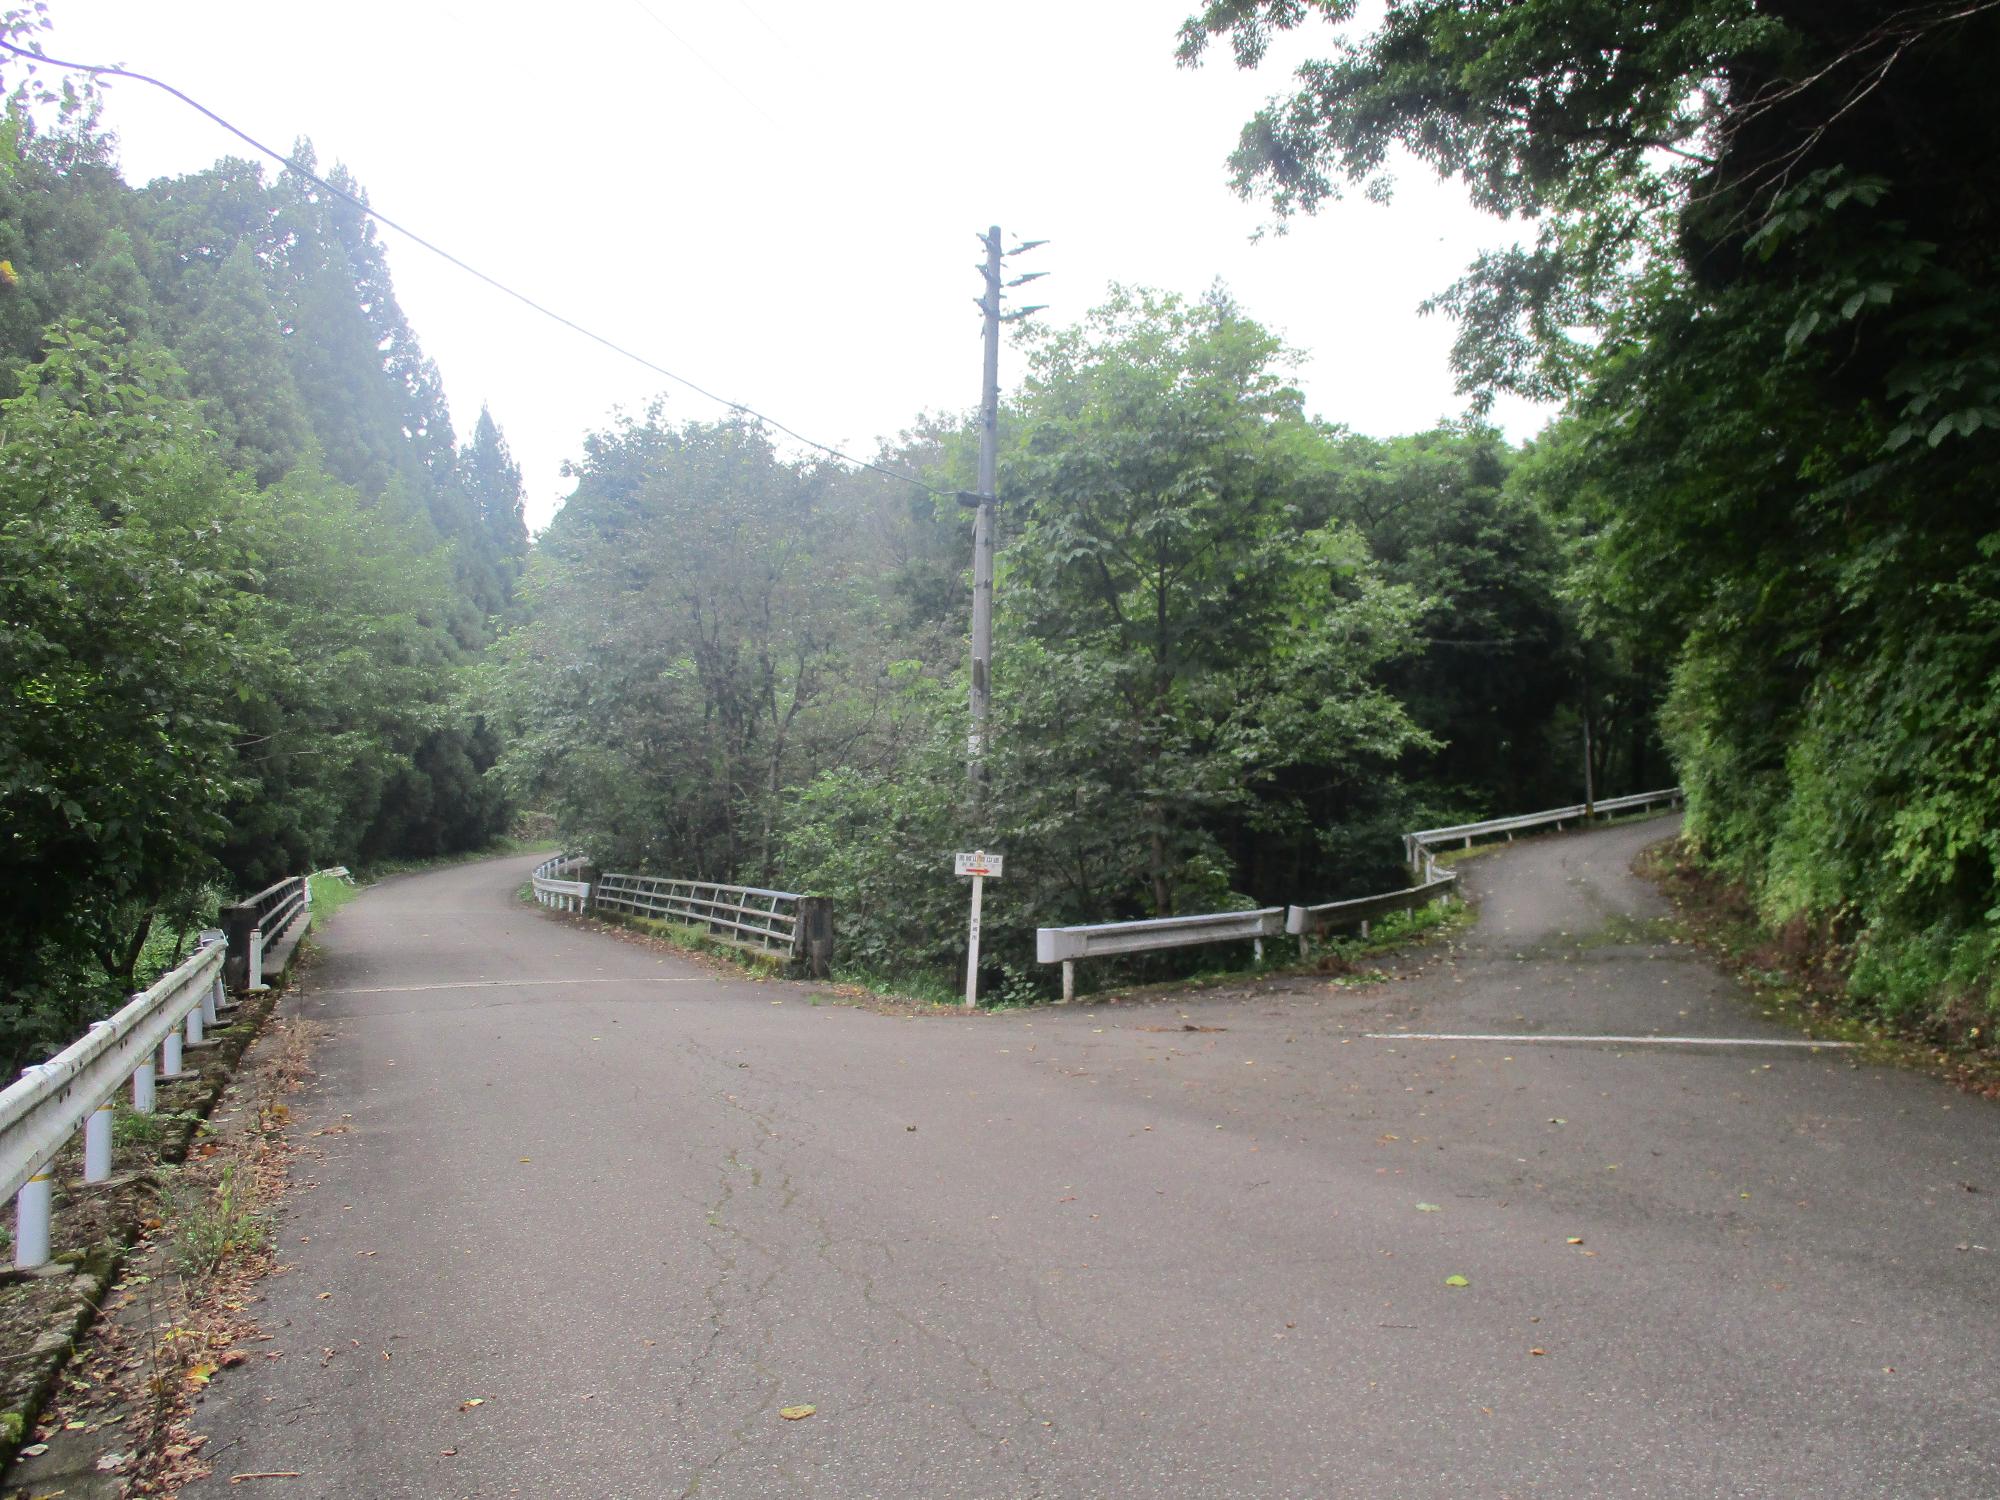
[634, 1210]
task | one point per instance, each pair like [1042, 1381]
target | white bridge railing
[744, 916]
[553, 887]
[142, 1044]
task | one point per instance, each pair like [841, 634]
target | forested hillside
[244, 562]
[263, 609]
[1766, 280]
[1239, 650]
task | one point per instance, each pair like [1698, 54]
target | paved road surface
[636, 1210]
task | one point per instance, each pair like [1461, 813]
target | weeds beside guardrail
[1068, 945]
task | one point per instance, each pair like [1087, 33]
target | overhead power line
[104, 71]
[689, 47]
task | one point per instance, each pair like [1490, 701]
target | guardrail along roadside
[1430, 882]
[783, 924]
[145, 1044]
[801, 927]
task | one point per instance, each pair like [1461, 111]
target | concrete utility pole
[1589, 789]
[983, 501]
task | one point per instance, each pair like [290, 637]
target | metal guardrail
[555, 890]
[1337, 916]
[746, 916]
[1417, 845]
[1067, 945]
[143, 1043]
[260, 923]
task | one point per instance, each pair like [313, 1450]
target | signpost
[979, 865]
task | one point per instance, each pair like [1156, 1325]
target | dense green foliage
[1767, 280]
[243, 564]
[1239, 651]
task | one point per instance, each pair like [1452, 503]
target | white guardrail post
[77, 1088]
[554, 890]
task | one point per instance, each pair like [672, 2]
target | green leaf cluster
[244, 567]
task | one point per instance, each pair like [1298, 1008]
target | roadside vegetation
[1243, 650]
[266, 611]
[1765, 285]
[245, 563]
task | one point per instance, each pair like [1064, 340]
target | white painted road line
[506, 984]
[1529, 1039]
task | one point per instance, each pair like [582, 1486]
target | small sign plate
[979, 862]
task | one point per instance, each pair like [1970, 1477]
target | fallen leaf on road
[1428, 1208]
[1538, 1351]
[267, 1474]
[201, 1374]
[1456, 1281]
[469, 1404]
[34, 1450]
[796, 1413]
[448, 1452]
[1576, 1239]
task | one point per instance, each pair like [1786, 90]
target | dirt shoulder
[162, 1299]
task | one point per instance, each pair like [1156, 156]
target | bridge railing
[262, 930]
[752, 918]
[554, 887]
[143, 1044]
[749, 917]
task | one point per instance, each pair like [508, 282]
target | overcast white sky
[778, 198]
